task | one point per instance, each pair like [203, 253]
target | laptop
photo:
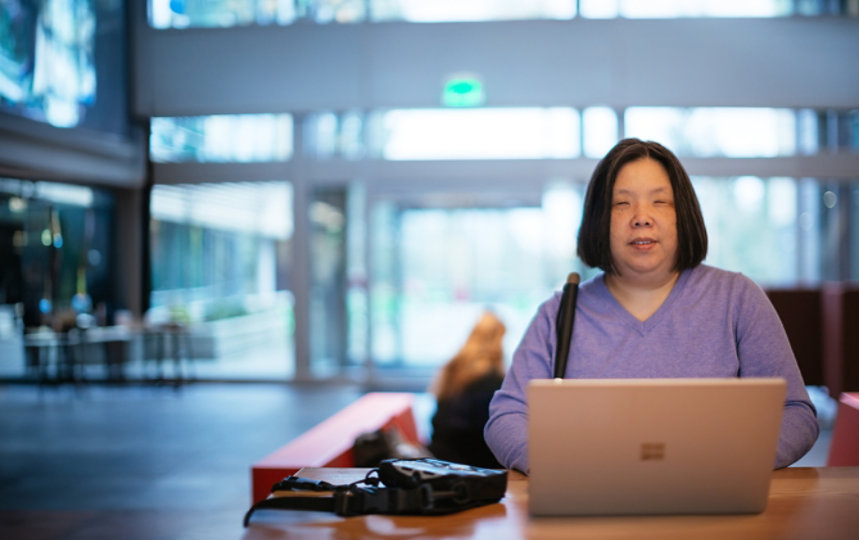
[652, 446]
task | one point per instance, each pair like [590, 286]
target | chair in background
[802, 316]
[840, 337]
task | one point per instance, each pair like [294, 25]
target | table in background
[61, 356]
[818, 503]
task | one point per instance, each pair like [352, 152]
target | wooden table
[814, 503]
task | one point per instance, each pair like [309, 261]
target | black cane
[564, 323]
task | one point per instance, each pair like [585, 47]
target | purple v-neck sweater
[714, 323]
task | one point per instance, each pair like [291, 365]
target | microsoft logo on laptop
[651, 451]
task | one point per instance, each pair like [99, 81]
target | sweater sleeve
[506, 432]
[764, 351]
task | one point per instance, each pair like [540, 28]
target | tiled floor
[157, 462]
[147, 462]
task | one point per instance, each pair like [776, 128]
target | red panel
[844, 447]
[329, 444]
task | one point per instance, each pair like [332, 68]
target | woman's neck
[641, 297]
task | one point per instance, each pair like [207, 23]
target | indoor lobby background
[222, 221]
[334, 190]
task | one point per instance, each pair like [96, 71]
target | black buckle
[341, 503]
[374, 500]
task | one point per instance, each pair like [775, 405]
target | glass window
[826, 7]
[716, 131]
[808, 231]
[221, 256]
[226, 13]
[808, 132]
[330, 135]
[357, 278]
[328, 288]
[435, 269]
[704, 8]
[526, 133]
[838, 230]
[853, 233]
[599, 128]
[218, 13]
[470, 10]
[221, 138]
[853, 129]
[685, 8]
[598, 9]
[56, 251]
[832, 130]
[760, 235]
[333, 11]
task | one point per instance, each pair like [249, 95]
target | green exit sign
[463, 91]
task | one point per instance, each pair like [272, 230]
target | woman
[463, 389]
[655, 311]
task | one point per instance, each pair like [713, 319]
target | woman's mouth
[643, 242]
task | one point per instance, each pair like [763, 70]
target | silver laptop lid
[652, 446]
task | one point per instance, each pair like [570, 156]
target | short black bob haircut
[593, 240]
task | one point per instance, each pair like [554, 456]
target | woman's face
[643, 235]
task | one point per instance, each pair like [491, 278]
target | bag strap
[349, 499]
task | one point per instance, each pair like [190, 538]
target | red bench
[329, 444]
[844, 446]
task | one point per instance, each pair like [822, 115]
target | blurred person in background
[463, 389]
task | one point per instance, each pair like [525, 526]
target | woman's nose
[641, 218]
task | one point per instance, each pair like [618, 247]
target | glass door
[438, 260]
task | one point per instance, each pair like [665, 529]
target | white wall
[783, 62]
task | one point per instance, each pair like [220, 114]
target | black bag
[397, 486]
[371, 448]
